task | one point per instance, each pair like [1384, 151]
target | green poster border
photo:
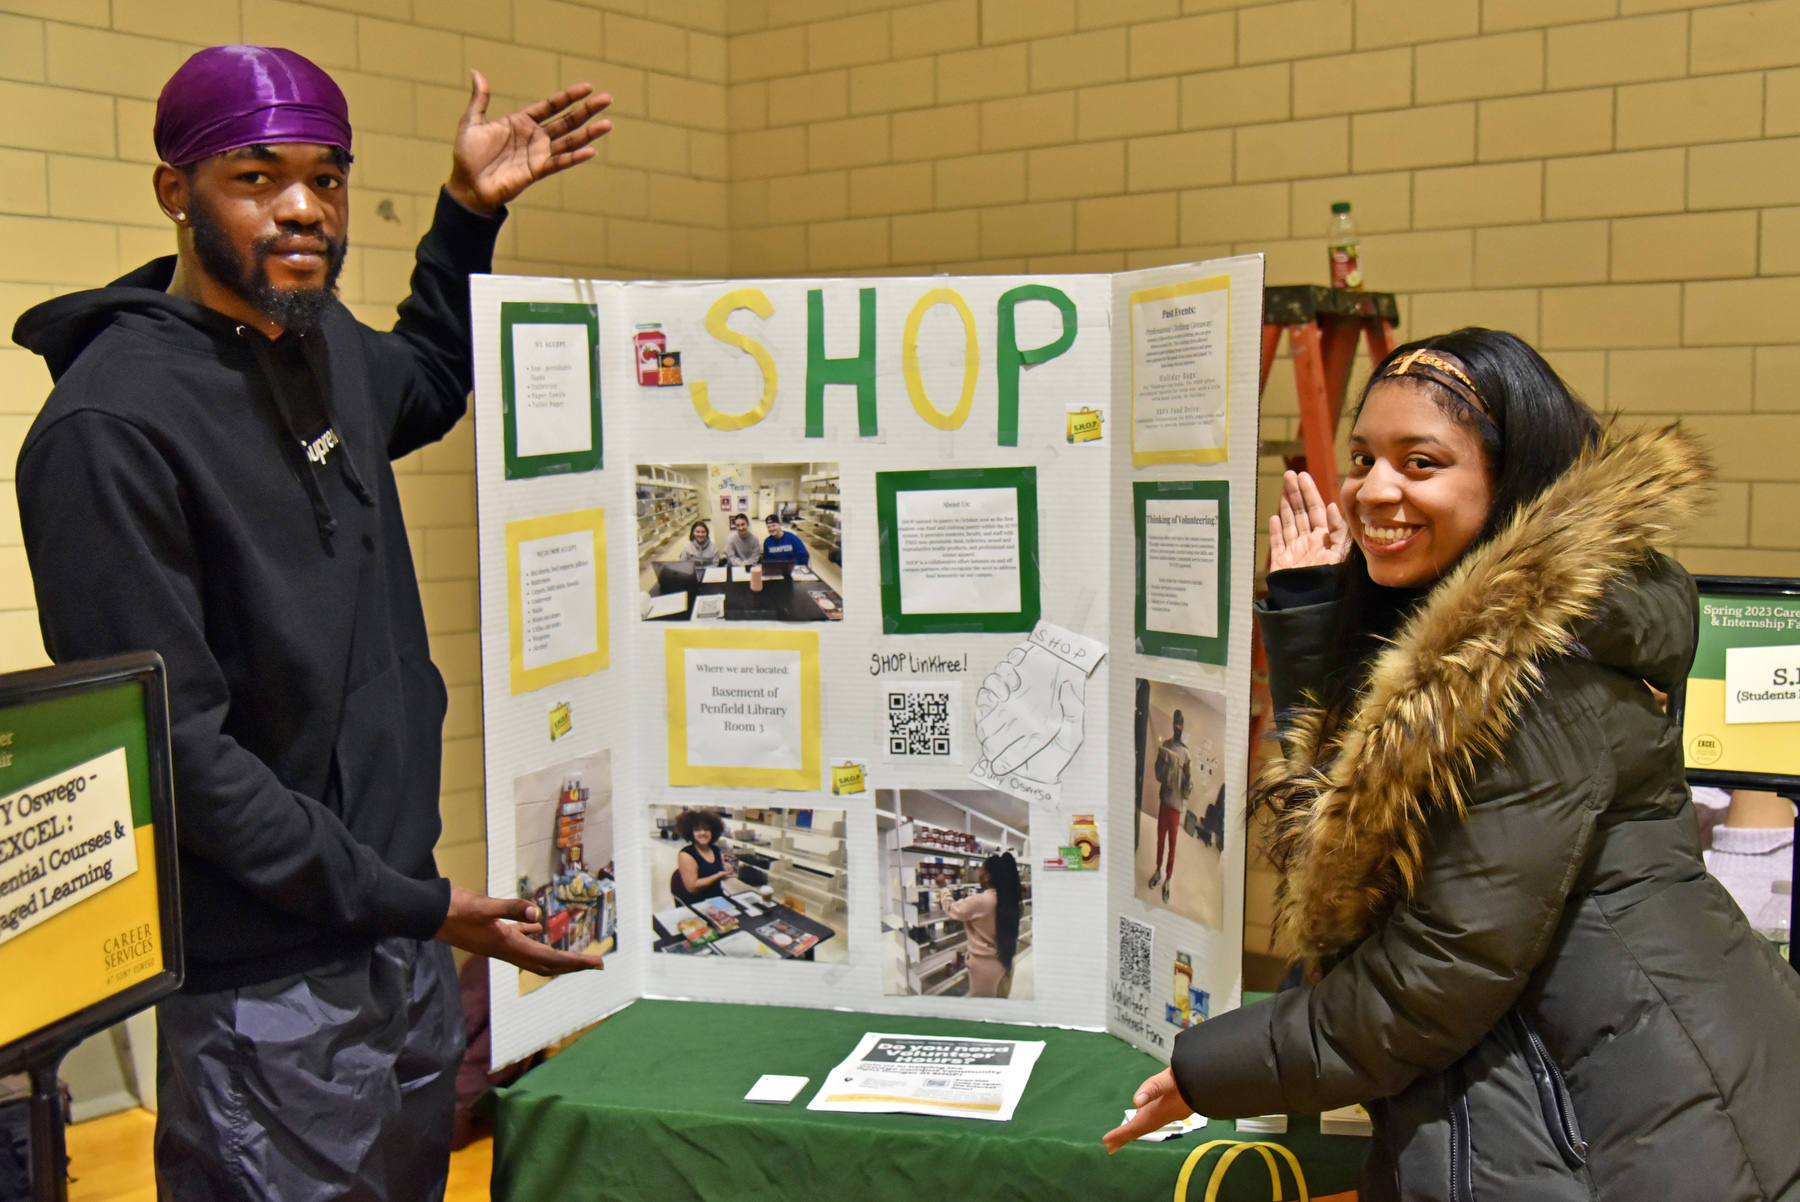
[889, 484]
[548, 313]
[1714, 641]
[41, 738]
[1185, 646]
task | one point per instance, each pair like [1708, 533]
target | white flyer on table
[929, 1074]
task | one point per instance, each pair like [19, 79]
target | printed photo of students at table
[749, 882]
[563, 839]
[956, 874]
[739, 541]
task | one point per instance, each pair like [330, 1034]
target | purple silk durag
[225, 97]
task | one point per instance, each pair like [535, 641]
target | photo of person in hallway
[1181, 801]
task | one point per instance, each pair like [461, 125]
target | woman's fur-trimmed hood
[1351, 814]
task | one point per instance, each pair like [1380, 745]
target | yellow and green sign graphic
[1743, 695]
[79, 911]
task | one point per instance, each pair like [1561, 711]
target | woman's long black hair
[1534, 430]
[1003, 872]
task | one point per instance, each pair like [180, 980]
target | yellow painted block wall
[1616, 180]
[78, 85]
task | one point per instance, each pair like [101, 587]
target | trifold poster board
[90, 925]
[890, 576]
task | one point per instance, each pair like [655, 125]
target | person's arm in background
[976, 905]
[802, 556]
[427, 361]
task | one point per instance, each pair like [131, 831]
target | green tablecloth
[649, 1105]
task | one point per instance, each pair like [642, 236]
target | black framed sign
[90, 914]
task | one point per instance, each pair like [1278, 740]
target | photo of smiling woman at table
[701, 865]
[701, 550]
[749, 883]
[747, 542]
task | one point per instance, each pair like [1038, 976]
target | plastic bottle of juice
[1340, 237]
[1774, 920]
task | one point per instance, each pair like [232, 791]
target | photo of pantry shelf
[955, 870]
[748, 883]
[739, 542]
[563, 850]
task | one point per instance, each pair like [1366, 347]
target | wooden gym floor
[110, 1161]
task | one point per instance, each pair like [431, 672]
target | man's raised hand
[496, 160]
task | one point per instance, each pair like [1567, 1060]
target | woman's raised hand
[1307, 532]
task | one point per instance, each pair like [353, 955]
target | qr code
[1134, 951]
[918, 724]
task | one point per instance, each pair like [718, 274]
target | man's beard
[291, 309]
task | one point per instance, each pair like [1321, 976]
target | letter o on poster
[556, 597]
[743, 708]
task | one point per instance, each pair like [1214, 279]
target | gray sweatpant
[333, 1084]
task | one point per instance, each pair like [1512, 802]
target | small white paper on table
[663, 606]
[552, 390]
[1174, 1130]
[743, 707]
[1181, 567]
[1762, 684]
[771, 1087]
[928, 1074]
[958, 550]
[740, 574]
[558, 582]
[713, 576]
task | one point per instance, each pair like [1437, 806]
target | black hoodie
[176, 497]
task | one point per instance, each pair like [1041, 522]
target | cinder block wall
[78, 85]
[1616, 180]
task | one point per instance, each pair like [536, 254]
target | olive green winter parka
[1531, 981]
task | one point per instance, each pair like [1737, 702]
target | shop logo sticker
[848, 777]
[1086, 423]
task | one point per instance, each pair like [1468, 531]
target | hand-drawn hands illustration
[1028, 714]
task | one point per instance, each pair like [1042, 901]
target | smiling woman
[1489, 864]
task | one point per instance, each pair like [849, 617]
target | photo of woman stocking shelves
[956, 886]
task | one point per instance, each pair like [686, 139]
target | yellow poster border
[66, 953]
[1214, 283]
[808, 775]
[528, 680]
[1762, 747]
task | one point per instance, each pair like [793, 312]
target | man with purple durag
[211, 480]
